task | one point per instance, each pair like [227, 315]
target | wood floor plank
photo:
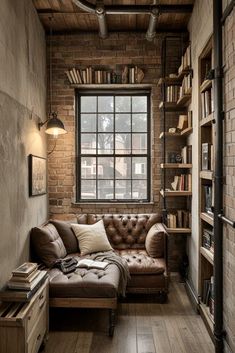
[83, 344]
[160, 336]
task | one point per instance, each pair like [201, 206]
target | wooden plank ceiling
[67, 17]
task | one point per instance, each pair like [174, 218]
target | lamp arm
[41, 124]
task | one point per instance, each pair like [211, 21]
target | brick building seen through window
[113, 146]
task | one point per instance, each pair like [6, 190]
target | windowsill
[111, 203]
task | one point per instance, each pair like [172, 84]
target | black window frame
[110, 92]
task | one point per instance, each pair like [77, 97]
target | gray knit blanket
[112, 258]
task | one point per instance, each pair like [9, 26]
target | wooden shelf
[111, 85]
[207, 84]
[207, 254]
[184, 72]
[170, 81]
[207, 317]
[184, 132]
[184, 100]
[207, 218]
[171, 107]
[178, 230]
[176, 165]
[172, 193]
[187, 131]
[208, 120]
[206, 174]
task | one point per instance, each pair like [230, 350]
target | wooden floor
[142, 327]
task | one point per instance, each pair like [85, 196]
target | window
[113, 153]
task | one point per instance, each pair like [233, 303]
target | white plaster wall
[200, 30]
[22, 103]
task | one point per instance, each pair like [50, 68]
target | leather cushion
[154, 242]
[67, 235]
[85, 283]
[47, 244]
[140, 263]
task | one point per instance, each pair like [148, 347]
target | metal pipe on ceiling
[101, 15]
[151, 32]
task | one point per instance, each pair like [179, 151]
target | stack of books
[24, 282]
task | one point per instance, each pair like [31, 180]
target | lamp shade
[55, 126]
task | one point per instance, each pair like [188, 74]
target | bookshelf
[206, 181]
[176, 162]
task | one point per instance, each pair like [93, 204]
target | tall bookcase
[176, 127]
[206, 140]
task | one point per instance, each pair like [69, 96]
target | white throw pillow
[91, 237]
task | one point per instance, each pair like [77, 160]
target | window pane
[105, 104]
[139, 122]
[123, 189]
[139, 189]
[122, 167]
[105, 122]
[88, 104]
[139, 104]
[105, 189]
[88, 189]
[139, 143]
[88, 167]
[123, 122]
[139, 167]
[122, 104]
[105, 143]
[88, 143]
[105, 168]
[123, 143]
[88, 122]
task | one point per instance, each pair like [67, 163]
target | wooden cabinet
[206, 182]
[24, 326]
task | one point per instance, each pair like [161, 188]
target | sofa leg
[163, 297]
[112, 317]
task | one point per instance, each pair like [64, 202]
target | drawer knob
[41, 296]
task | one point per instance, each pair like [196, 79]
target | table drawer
[37, 335]
[39, 306]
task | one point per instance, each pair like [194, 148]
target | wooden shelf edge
[171, 106]
[208, 120]
[207, 218]
[206, 174]
[204, 310]
[187, 131]
[170, 81]
[184, 100]
[207, 84]
[176, 165]
[207, 254]
[178, 230]
[175, 193]
[169, 134]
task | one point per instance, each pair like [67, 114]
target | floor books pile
[24, 282]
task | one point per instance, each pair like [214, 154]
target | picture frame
[37, 175]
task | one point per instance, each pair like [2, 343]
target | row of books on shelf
[207, 103]
[89, 75]
[185, 60]
[172, 93]
[208, 239]
[185, 156]
[186, 85]
[207, 156]
[208, 198]
[179, 219]
[182, 182]
[208, 294]
[24, 282]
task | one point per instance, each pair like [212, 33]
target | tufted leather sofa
[98, 288]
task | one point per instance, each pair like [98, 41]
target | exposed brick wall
[118, 50]
[229, 189]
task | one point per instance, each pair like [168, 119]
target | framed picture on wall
[37, 175]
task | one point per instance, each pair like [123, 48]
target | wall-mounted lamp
[54, 125]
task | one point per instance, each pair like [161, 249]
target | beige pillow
[91, 237]
[154, 242]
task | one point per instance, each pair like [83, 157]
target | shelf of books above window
[178, 230]
[171, 107]
[206, 217]
[206, 174]
[207, 84]
[209, 255]
[176, 165]
[207, 121]
[111, 85]
[173, 193]
[184, 132]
